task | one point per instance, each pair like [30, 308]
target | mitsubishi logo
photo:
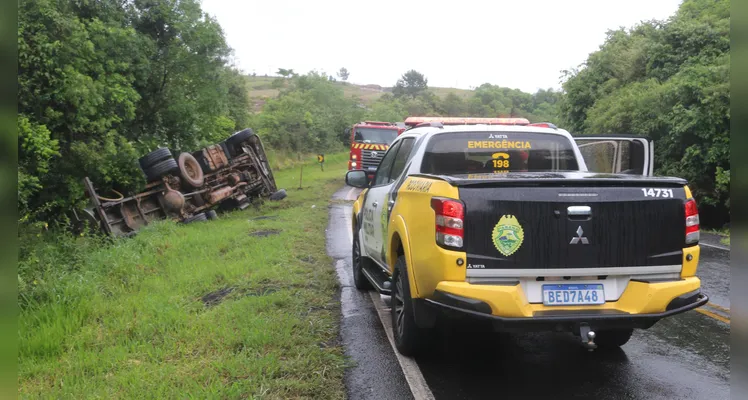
[579, 237]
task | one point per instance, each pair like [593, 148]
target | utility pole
[301, 174]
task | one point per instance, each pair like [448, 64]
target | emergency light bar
[414, 121]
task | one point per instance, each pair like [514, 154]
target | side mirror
[357, 178]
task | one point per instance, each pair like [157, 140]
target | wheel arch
[399, 244]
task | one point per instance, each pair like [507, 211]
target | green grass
[132, 320]
[284, 160]
[725, 233]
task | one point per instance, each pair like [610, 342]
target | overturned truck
[188, 187]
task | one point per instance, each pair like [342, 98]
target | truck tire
[195, 218]
[161, 168]
[359, 279]
[409, 338]
[235, 140]
[190, 170]
[279, 195]
[148, 160]
[211, 214]
[614, 338]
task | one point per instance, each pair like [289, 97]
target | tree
[668, 81]
[343, 74]
[286, 73]
[411, 84]
[452, 105]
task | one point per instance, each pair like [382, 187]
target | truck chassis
[233, 173]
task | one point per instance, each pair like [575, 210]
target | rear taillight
[450, 215]
[692, 222]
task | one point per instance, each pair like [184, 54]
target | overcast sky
[519, 44]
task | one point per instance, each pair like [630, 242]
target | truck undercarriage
[230, 175]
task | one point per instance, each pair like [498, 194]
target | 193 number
[657, 192]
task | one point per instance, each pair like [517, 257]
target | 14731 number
[650, 192]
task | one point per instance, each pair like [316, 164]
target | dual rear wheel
[161, 162]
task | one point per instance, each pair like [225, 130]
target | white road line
[715, 246]
[348, 195]
[412, 372]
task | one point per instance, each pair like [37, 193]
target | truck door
[617, 154]
[373, 205]
[379, 199]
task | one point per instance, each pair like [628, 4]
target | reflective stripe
[370, 146]
[516, 273]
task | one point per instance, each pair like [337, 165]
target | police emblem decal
[508, 235]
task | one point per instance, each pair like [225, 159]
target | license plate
[562, 295]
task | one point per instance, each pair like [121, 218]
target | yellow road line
[727, 310]
[713, 315]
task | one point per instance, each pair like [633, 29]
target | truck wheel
[195, 218]
[235, 140]
[409, 338]
[211, 214]
[613, 338]
[359, 279]
[190, 170]
[279, 195]
[153, 157]
[160, 169]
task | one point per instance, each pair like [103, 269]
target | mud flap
[424, 315]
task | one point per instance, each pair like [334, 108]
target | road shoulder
[374, 372]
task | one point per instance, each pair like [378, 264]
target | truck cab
[369, 141]
[525, 226]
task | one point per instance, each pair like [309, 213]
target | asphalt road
[682, 357]
[376, 373]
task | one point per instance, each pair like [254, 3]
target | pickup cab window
[461, 153]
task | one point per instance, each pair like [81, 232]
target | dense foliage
[670, 81]
[100, 83]
[309, 114]
[486, 100]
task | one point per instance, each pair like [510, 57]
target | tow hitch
[588, 337]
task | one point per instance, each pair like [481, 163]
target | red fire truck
[369, 141]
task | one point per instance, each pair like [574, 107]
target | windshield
[488, 152]
[372, 135]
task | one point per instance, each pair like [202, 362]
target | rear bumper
[541, 318]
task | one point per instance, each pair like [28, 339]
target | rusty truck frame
[187, 189]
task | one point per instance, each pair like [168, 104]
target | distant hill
[261, 88]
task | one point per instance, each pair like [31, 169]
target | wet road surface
[714, 272]
[376, 373]
[686, 356]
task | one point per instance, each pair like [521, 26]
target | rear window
[461, 153]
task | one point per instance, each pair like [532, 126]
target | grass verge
[234, 308]
[724, 233]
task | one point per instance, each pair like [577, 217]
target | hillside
[261, 88]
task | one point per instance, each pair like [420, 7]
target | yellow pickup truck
[526, 226]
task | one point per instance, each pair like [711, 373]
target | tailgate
[535, 227]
